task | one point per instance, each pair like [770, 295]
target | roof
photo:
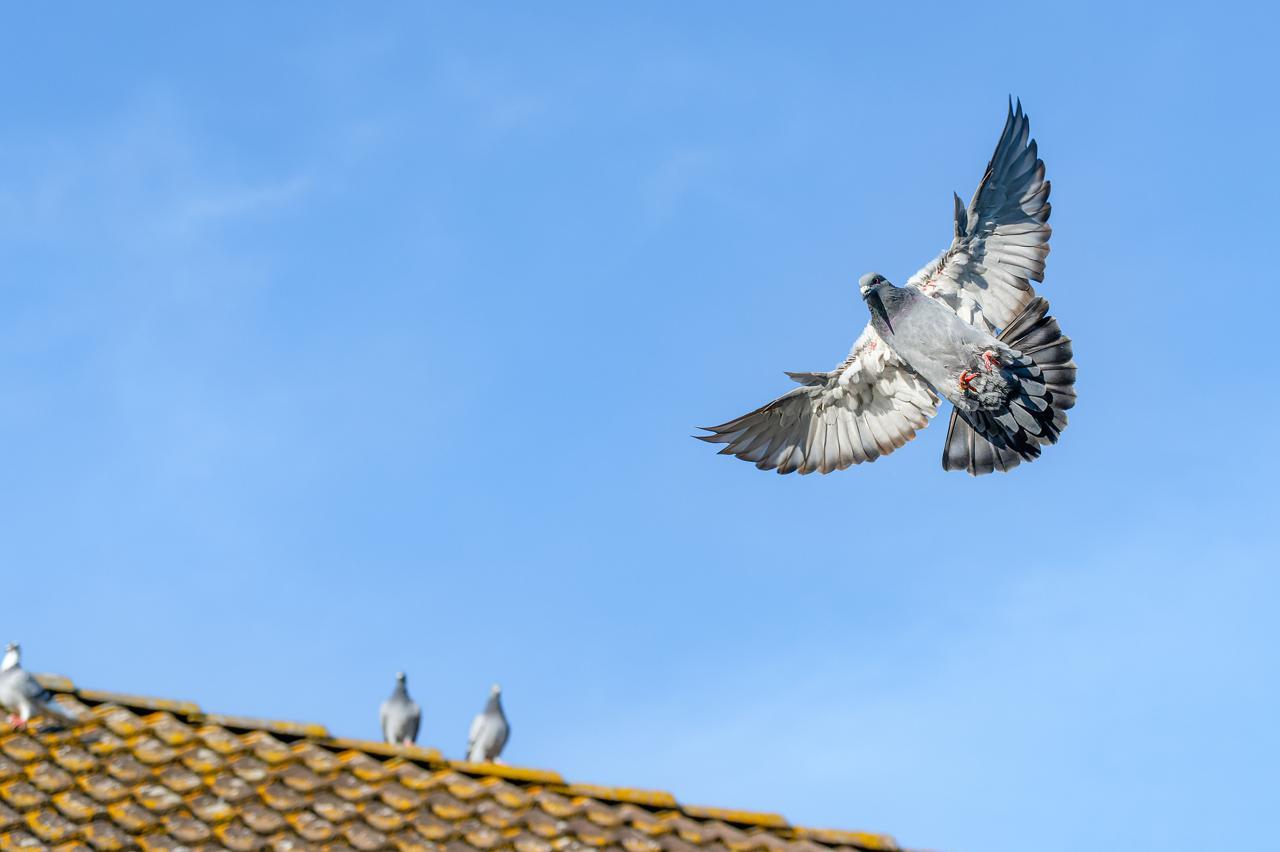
[156, 773]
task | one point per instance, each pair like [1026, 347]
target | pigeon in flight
[489, 730]
[22, 695]
[967, 327]
[400, 715]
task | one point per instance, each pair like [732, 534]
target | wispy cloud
[232, 203]
[140, 174]
[496, 100]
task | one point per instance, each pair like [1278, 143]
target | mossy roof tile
[153, 773]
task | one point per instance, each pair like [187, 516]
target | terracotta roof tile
[126, 768]
[237, 836]
[105, 743]
[49, 777]
[21, 795]
[179, 779]
[231, 788]
[157, 798]
[160, 843]
[212, 809]
[144, 773]
[22, 748]
[120, 721]
[430, 826]
[480, 836]
[362, 837]
[183, 826]
[131, 816]
[102, 787]
[72, 758]
[279, 797]
[169, 729]
[76, 805]
[333, 809]
[381, 816]
[202, 759]
[411, 841]
[530, 843]
[399, 796]
[312, 828]
[220, 740]
[19, 839]
[49, 825]
[150, 750]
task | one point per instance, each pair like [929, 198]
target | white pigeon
[969, 327]
[23, 696]
[489, 730]
[400, 715]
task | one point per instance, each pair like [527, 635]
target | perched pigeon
[22, 695]
[400, 715]
[489, 730]
[967, 327]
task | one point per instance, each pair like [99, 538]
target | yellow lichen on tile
[55, 682]
[766, 820]
[512, 773]
[860, 839]
[425, 755]
[142, 702]
[275, 726]
[648, 798]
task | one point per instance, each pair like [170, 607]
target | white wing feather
[866, 408]
[1002, 238]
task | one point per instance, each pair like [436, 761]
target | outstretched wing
[866, 408]
[1001, 240]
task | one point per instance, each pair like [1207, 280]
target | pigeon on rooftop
[968, 327]
[489, 730]
[23, 696]
[400, 715]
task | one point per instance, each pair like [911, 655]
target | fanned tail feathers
[986, 441]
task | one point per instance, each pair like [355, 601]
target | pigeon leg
[15, 722]
[966, 378]
[990, 360]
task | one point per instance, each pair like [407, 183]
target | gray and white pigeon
[23, 696]
[400, 715]
[968, 327]
[489, 730]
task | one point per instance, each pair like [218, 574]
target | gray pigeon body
[400, 715]
[1015, 401]
[968, 328]
[489, 730]
[23, 696]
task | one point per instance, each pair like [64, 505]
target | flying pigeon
[22, 695]
[968, 327]
[400, 715]
[489, 730]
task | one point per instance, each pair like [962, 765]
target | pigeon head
[869, 282]
[400, 678]
[12, 656]
[495, 690]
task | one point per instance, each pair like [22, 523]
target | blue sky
[338, 340]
